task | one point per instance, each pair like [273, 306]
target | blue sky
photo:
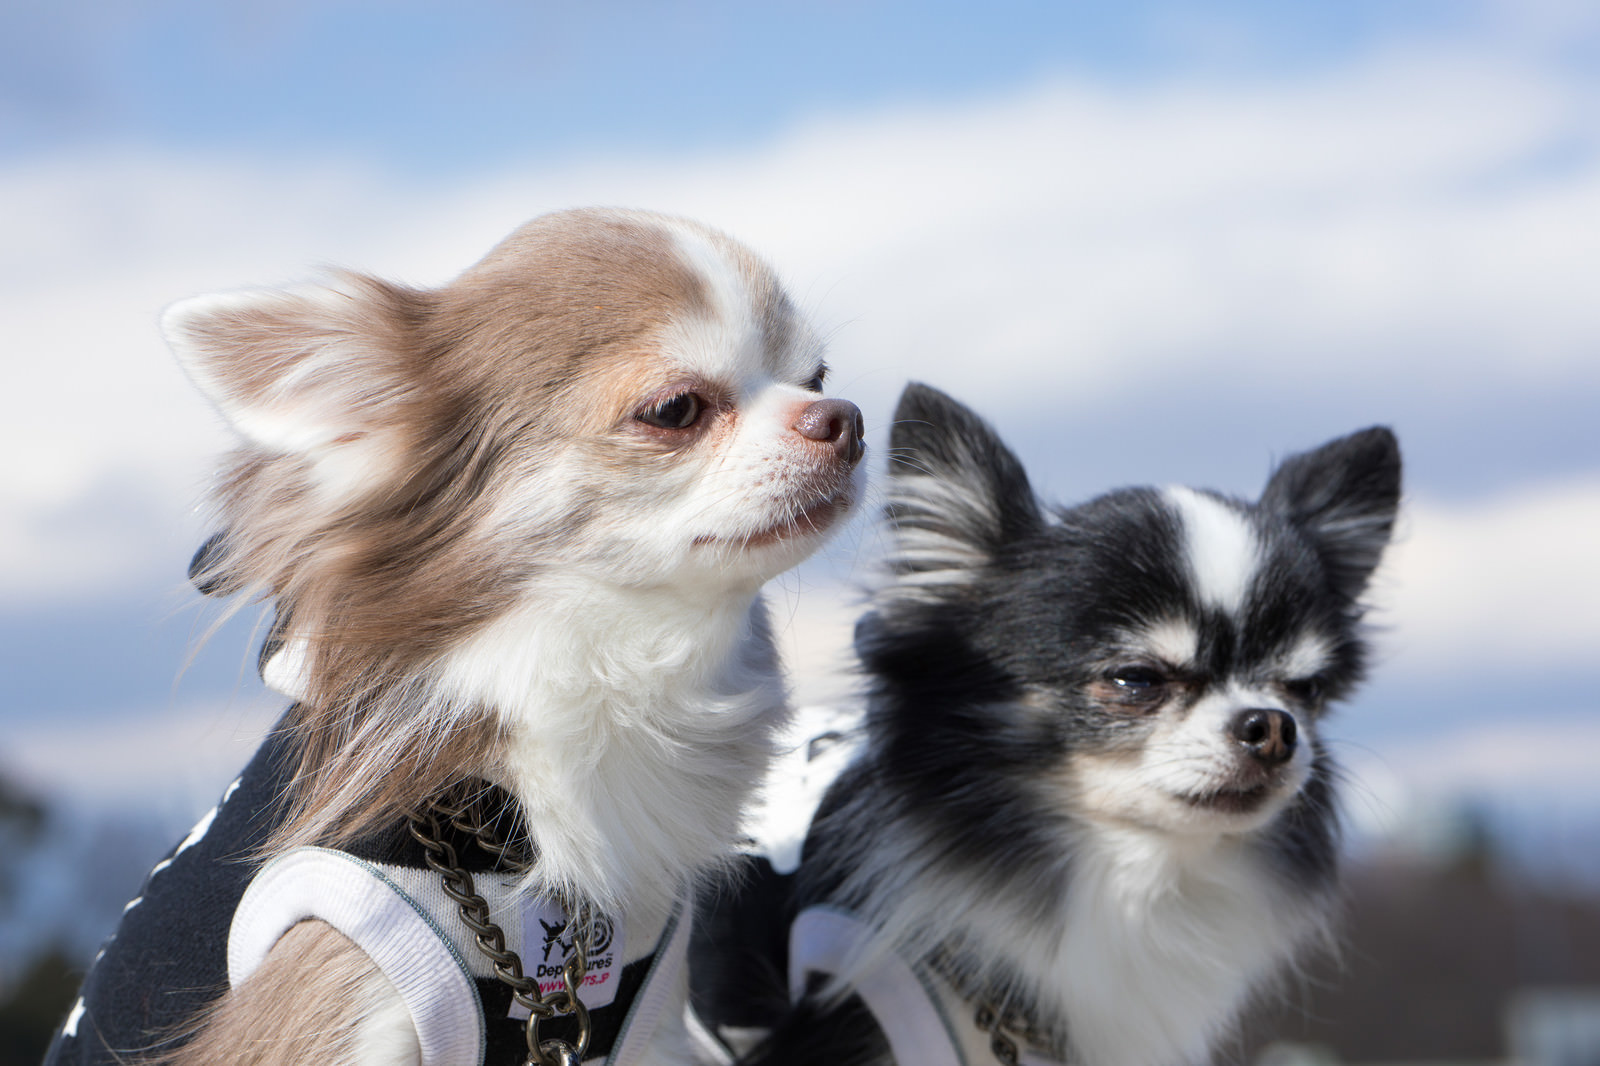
[1154, 242]
[433, 90]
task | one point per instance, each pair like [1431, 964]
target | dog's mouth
[809, 521]
[1232, 800]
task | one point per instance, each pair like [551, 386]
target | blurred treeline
[1433, 953]
[64, 877]
[34, 994]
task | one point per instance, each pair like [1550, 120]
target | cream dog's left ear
[321, 373]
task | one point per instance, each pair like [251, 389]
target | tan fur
[306, 1004]
[414, 465]
[454, 386]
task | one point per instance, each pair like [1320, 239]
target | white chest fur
[1162, 942]
[633, 735]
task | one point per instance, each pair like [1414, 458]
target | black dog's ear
[1344, 495]
[956, 494]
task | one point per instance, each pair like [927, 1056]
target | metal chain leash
[989, 1019]
[441, 858]
[1007, 1029]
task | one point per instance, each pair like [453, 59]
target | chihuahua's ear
[956, 494]
[315, 372]
[1344, 496]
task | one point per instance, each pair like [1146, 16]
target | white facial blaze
[1221, 546]
[727, 339]
[1306, 657]
[1173, 641]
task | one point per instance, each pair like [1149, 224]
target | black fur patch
[839, 1034]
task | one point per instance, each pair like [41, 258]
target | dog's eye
[815, 383]
[679, 412]
[1138, 683]
[1305, 689]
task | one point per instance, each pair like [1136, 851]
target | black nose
[836, 422]
[1268, 732]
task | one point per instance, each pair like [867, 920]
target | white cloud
[1532, 757]
[1386, 226]
[1509, 579]
[1425, 794]
[177, 758]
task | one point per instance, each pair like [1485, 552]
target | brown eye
[1138, 684]
[679, 412]
[815, 383]
[1306, 690]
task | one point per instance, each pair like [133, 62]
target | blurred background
[1153, 241]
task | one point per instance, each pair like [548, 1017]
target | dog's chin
[1234, 807]
[799, 532]
[1105, 791]
[1242, 801]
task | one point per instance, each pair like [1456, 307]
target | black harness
[169, 958]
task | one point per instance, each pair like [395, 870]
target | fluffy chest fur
[1157, 946]
[1130, 947]
[636, 728]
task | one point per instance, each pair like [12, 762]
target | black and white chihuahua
[1091, 813]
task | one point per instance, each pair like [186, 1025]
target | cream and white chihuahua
[515, 530]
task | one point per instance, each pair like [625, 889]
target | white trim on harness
[393, 929]
[827, 941]
[918, 1016]
[394, 915]
[664, 978]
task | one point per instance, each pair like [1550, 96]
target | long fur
[1069, 793]
[489, 560]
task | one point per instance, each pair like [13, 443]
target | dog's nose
[1268, 732]
[835, 422]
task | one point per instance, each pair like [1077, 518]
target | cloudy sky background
[1153, 242]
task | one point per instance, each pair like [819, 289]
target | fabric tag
[546, 946]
